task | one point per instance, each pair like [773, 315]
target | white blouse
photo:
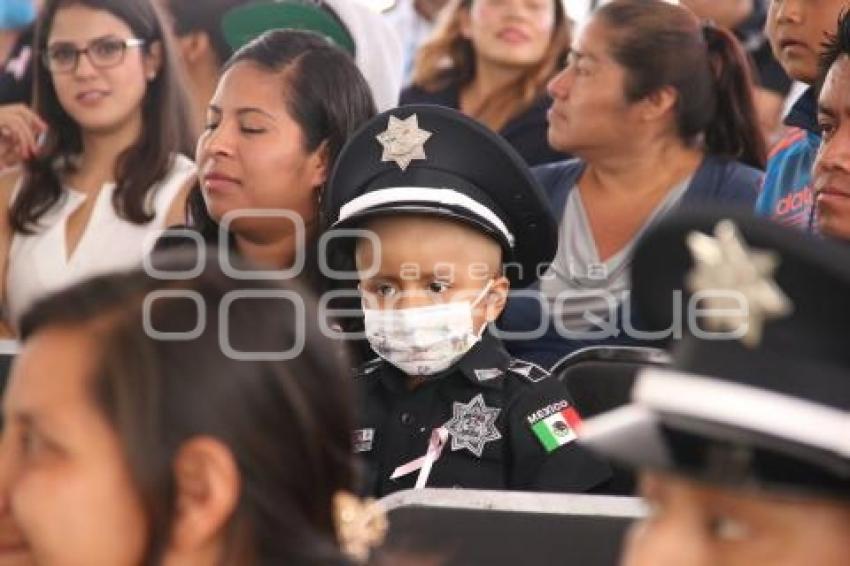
[39, 263]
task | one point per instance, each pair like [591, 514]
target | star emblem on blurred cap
[403, 141]
[723, 262]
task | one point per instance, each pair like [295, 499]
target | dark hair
[205, 16]
[287, 423]
[661, 44]
[323, 91]
[835, 46]
[165, 112]
[448, 57]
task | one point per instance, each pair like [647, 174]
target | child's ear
[496, 298]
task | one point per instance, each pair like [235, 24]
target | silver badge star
[724, 262]
[403, 141]
[473, 425]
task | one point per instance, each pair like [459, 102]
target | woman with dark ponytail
[735, 130]
[658, 109]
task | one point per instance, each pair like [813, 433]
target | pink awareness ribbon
[18, 67]
[439, 437]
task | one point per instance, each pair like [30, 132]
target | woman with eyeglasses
[104, 154]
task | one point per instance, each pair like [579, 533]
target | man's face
[692, 524]
[797, 30]
[831, 170]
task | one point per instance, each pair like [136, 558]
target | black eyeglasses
[103, 53]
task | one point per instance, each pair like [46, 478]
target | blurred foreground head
[744, 443]
[167, 413]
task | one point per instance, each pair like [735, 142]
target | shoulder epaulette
[528, 370]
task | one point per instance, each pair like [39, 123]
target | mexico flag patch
[555, 425]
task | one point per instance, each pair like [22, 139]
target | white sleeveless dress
[39, 263]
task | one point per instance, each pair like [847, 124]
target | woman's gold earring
[361, 525]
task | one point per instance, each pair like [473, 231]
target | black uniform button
[407, 419]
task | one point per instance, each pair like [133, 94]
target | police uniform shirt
[491, 405]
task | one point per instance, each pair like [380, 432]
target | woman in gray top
[658, 108]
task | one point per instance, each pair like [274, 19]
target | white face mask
[424, 340]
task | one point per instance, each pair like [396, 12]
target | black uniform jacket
[489, 403]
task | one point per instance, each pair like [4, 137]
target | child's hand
[20, 129]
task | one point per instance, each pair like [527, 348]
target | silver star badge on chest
[403, 141]
[473, 425]
[723, 264]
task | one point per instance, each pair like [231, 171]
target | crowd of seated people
[263, 262]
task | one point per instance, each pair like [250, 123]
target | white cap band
[743, 406]
[448, 197]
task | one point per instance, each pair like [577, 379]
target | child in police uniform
[744, 443]
[451, 219]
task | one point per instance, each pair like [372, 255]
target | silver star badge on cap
[725, 263]
[403, 141]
